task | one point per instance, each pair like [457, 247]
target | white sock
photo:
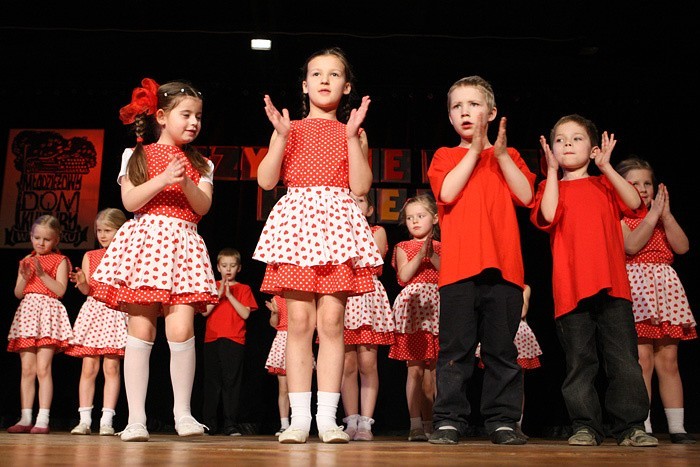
[365, 423]
[300, 405]
[25, 417]
[675, 420]
[107, 416]
[183, 360]
[351, 421]
[137, 356]
[647, 423]
[327, 407]
[85, 415]
[42, 419]
[416, 423]
[284, 423]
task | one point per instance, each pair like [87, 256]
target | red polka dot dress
[369, 318]
[659, 301]
[40, 320]
[529, 349]
[316, 239]
[158, 256]
[98, 329]
[417, 309]
[276, 363]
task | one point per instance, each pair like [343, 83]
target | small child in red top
[592, 300]
[275, 363]
[98, 331]
[224, 345]
[41, 326]
[662, 314]
[417, 310]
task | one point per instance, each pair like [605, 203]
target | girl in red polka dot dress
[369, 323]
[98, 331]
[417, 310]
[157, 264]
[41, 326]
[661, 310]
[275, 363]
[317, 244]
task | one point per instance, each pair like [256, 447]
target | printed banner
[53, 172]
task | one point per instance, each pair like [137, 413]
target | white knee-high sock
[327, 407]
[300, 405]
[183, 360]
[137, 357]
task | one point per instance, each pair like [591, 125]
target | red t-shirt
[585, 236]
[224, 321]
[479, 229]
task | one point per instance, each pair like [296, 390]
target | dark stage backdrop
[623, 68]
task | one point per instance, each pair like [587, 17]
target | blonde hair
[428, 202]
[112, 217]
[47, 220]
[476, 82]
[229, 252]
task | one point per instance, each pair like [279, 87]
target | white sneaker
[334, 436]
[81, 429]
[134, 432]
[293, 436]
[106, 430]
[188, 426]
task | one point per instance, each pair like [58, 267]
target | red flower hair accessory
[143, 100]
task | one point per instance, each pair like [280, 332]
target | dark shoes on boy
[446, 436]
[508, 436]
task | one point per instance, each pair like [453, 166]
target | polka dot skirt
[420, 345]
[417, 308]
[276, 362]
[155, 259]
[528, 348]
[98, 330]
[38, 322]
[368, 336]
[371, 310]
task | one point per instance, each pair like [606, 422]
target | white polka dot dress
[417, 309]
[158, 257]
[41, 320]
[529, 349]
[98, 329]
[659, 300]
[316, 239]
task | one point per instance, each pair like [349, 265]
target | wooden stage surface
[62, 448]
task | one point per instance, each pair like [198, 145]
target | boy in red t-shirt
[224, 344]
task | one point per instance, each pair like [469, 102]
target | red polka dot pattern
[420, 345]
[528, 348]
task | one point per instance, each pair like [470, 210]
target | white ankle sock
[351, 421]
[183, 360]
[365, 423]
[42, 419]
[284, 423]
[300, 405]
[137, 356]
[327, 408]
[675, 420]
[647, 423]
[107, 416]
[25, 417]
[85, 415]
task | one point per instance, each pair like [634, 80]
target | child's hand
[38, 268]
[175, 171]
[500, 147]
[25, 270]
[227, 289]
[357, 116]
[427, 246]
[666, 211]
[552, 162]
[602, 157]
[280, 122]
[77, 276]
[271, 305]
[659, 204]
[223, 285]
[479, 137]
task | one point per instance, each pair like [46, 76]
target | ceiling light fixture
[260, 44]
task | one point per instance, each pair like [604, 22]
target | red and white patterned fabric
[158, 257]
[528, 348]
[98, 329]
[41, 320]
[276, 363]
[316, 239]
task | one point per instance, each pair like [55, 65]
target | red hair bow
[143, 100]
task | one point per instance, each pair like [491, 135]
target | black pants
[223, 375]
[485, 309]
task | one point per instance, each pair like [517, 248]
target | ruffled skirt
[40, 321]
[98, 330]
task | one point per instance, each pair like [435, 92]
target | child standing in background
[662, 314]
[317, 244]
[41, 326]
[369, 322]
[224, 344]
[417, 309]
[477, 186]
[158, 264]
[275, 363]
[592, 299]
[98, 331]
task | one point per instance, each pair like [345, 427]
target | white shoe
[134, 432]
[81, 429]
[106, 430]
[188, 426]
[334, 436]
[293, 436]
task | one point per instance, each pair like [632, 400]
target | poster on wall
[53, 172]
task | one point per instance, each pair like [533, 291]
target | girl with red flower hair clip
[157, 264]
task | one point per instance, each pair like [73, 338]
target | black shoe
[506, 437]
[446, 436]
[682, 438]
[232, 431]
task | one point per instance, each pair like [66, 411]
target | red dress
[158, 256]
[98, 329]
[316, 239]
[41, 320]
[417, 309]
